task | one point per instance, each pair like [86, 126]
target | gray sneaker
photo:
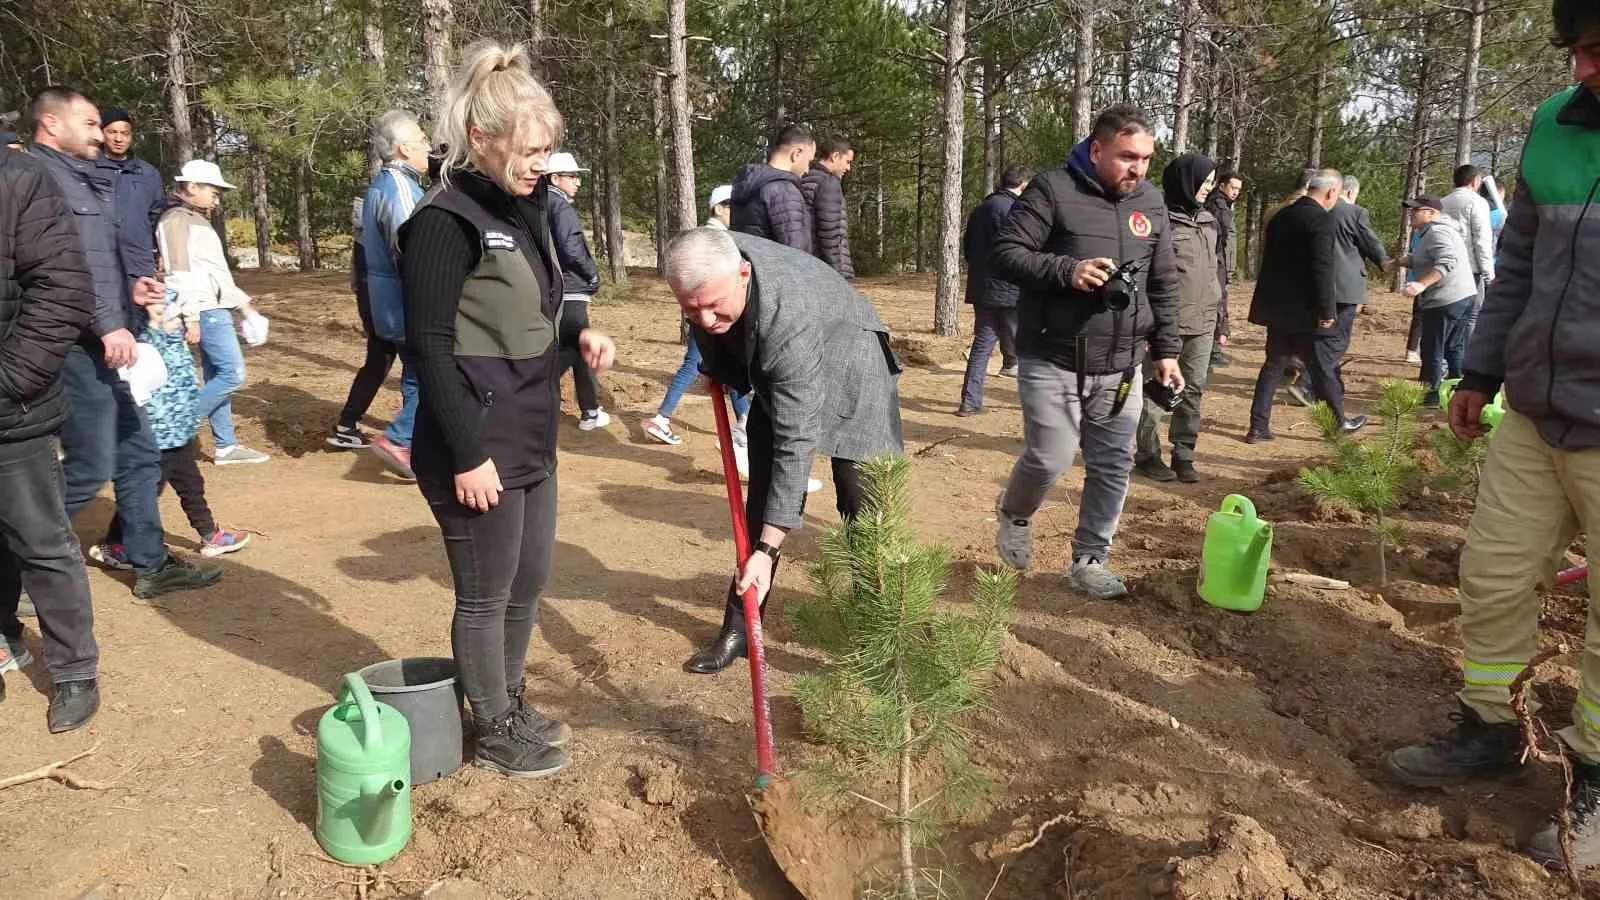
[238, 455]
[1014, 538]
[1090, 576]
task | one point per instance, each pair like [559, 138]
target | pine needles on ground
[901, 672]
[1370, 476]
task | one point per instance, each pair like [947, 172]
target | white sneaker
[1414, 356]
[1013, 539]
[1090, 576]
[238, 455]
[741, 460]
[594, 418]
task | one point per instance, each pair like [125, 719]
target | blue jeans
[685, 378]
[106, 437]
[1445, 330]
[222, 364]
[399, 430]
[990, 325]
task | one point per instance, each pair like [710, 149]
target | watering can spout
[378, 796]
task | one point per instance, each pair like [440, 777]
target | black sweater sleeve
[437, 252]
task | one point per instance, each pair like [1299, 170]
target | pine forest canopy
[936, 97]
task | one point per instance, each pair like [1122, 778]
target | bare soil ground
[1194, 753]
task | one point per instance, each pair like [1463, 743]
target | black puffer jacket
[769, 203]
[984, 288]
[89, 193]
[1066, 216]
[830, 229]
[578, 272]
[46, 296]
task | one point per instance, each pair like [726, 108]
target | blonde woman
[482, 296]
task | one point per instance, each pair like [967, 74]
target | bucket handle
[355, 688]
[1239, 504]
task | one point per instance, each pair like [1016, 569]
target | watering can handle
[355, 687]
[1238, 503]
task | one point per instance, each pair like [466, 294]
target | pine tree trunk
[1237, 120]
[1213, 102]
[682, 138]
[922, 181]
[615, 243]
[1416, 158]
[302, 216]
[882, 209]
[658, 128]
[536, 33]
[908, 863]
[780, 111]
[1125, 76]
[946, 295]
[438, 19]
[1469, 81]
[1318, 120]
[375, 52]
[991, 156]
[1185, 91]
[178, 86]
[597, 215]
[1083, 71]
[262, 208]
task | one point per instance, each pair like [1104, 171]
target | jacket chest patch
[498, 240]
[1139, 225]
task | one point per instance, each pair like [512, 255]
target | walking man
[768, 201]
[1220, 205]
[1356, 245]
[1296, 299]
[399, 141]
[580, 278]
[1090, 246]
[1541, 483]
[993, 299]
[782, 323]
[138, 196]
[823, 187]
[105, 435]
[1467, 205]
[46, 298]
[1445, 290]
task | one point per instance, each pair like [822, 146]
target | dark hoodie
[769, 203]
[1194, 243]
[1065, 216]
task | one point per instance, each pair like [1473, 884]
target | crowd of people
[1106, 294]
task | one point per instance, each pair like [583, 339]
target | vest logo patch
[498, 240]
[1139, 224]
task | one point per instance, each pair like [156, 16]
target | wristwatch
[768, 549]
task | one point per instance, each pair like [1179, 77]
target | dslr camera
[1123, 285]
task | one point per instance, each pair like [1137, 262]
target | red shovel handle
[1576, 573]
[752, 603]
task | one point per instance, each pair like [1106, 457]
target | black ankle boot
[729, 646]
[552, 732]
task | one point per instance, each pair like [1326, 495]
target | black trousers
[180, 467]
[39, 552]
[1445, 330]
[499, 561]
[374, 369]
[1321, 353]
[846, 484]
[574, 319]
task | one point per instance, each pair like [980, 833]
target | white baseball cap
[199, 171]
[721, 194]
[563, 164]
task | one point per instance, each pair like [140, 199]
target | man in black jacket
[824, 191]
[993, 299]
[767, 198]
[1090, 247]
[1296, 299]
[1220, 205]
[46, 297]
[580, 278]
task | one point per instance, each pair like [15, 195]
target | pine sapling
[901, 672]
[1370, 476]
[1460, 462]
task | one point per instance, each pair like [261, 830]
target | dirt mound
[1243, 862]
[823, 853]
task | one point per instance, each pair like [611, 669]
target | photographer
[1090, 247]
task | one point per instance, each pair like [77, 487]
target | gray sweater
[1443, 247]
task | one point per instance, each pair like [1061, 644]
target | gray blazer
[817, 357]
[1355, 244]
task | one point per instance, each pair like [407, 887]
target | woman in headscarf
[1185, 183]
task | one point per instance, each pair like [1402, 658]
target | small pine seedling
[1370, 476]
[1460, 462]
[901, 673]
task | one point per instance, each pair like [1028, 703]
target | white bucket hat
[721, 194]
[199, 171]
[563, 164]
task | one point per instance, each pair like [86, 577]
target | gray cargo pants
[1194, 361]
[1054, 425]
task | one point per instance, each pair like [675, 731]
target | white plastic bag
[147, 375]
[253, 328]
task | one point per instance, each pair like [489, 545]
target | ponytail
[495, 91]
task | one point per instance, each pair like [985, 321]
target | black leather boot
[729, 646]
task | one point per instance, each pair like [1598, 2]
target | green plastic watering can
[1235, 557]
[363, 777]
